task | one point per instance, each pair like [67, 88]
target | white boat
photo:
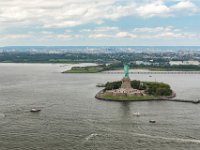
[35, 110]
[136, 114]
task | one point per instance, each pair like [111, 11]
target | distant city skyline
[100, 22]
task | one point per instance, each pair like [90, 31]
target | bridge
[153, 72]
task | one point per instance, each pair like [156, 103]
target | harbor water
[72, 119]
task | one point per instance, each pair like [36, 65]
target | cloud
[71, 13]
[155, 29]
[125, 35]
[162, 33]
[46, 20]
[185, 5]
[15, 36]
[114, 36]
[166, 32]
[106, 29]
[39, 36]
[95, 36]
[157, 8]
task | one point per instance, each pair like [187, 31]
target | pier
[153, 72]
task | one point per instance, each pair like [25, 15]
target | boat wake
[168, 138]
[89, 137]
[182, 140]
[135, 134]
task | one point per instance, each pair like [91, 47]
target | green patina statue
[126, 71]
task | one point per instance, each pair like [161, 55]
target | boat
[136, 114]
[35, 110]
[150, 76]
[196, 101]
[152, 121]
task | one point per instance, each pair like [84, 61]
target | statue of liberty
[126, 82]
[126, 68]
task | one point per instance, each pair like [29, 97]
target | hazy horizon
[99, 49]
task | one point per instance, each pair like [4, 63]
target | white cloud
[101, 32]
[155, 29]
[38, 20]
[43, 35]
[119, 34]
[70, 13]
[115, 36]
[185, 5]
[96, 36]
[162, 33]
[106, 29]
[157, 8]
[167, 32]
[125, 35]
[15, 36]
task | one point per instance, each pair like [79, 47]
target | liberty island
[127, 90]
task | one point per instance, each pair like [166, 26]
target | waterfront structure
[123, 90]
[191, 62]
[143, 63]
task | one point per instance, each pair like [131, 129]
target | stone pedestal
[126, 83]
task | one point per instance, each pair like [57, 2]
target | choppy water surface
[71, 118]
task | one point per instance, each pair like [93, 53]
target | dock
[153, 72]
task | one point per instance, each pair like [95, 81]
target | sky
[99, 22]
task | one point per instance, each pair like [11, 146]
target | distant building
[142, 63]
[172, 63]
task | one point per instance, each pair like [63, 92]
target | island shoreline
[99, 97]
[169, 98]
